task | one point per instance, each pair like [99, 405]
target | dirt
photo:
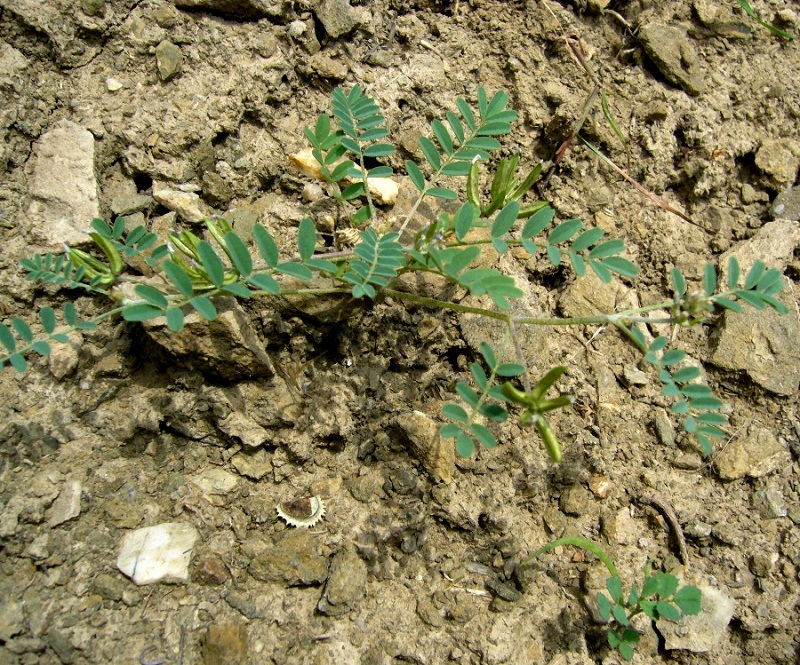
[403, 568]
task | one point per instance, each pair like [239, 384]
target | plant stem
[576, 542]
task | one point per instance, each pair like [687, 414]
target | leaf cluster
[661, 597]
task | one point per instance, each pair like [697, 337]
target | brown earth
[114, 433]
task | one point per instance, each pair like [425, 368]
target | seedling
[661, 597]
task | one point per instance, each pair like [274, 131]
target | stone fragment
[12, 619]
[295, 559]
[215, 484]
[169, 60]
[254, 464]
[210, 570]
[700, 633]
[763, 343]
[669, 48]
[68, 504]
[188, 205]
[337, 17]
[158, 553]
[242, 427]
[437, 454]
[756, 454]
[322, 65]
[575, 500]
[225, 644]
[108, 586]
[63, 185]
[12, 64]
[227, 347]
[779, 159]
[346, 584]
[769, 503]
[127, 204]
[589, 296]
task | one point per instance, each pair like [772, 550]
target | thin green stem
[575, 541]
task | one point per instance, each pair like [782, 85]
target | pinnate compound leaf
[152, 295]
[464, 445]
[455, 412]
[621, 266]
[178, 277]
[686, 374]
[41, 347]
[141, 312]
[505, 219]
[18, 362]
[237, 289]
[430, 152]
[449, 431]
[604, 606]
[442, 193]
[467, 394]
[416, 175]
[464, 219]
[48, 318]
[537, 222]
[483, 435]
[668, 611]
[564, 231]
[614, 586]
[733, 272]
[709, 279]
[264, 282]
[7, 338]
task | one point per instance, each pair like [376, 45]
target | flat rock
[254, 464]
[187, 205]
[787, 204]
[215, 484]
[779, 159]
[763, 343]
[668, 46]
[756, 454]
[227, 347]
[702, 632]
[12, 64]
[294, 560]
[337, 17]
[63, 185]
[158, 553]
[68, 504]
[242, 427]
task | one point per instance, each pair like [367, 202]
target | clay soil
[413, 569]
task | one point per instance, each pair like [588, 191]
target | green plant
[661, 597]
[191, 271]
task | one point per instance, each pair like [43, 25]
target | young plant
[661, 596]
[191, 271]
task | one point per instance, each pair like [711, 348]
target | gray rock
[762, 342]
[12, 64]
[589, 296]
[669, 48]
[769, 503]
[227, 347]
[294, 560]
[63, 185]
[702, 632]
[127, 204]
[756, 454]
[215, 484]
[169, 60]
[246, 9]
[337, 17]
[68, 504]
[346, 583]
[787, 205]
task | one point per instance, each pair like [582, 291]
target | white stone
[68, 503]
[63, 185]
[157, 553]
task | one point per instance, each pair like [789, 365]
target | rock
[210, 570]
[12, 64]
[225, 644]
[670, 49]
[295, 559]
[779, 159]
[437, 454]
[68, 504]
[254, 464]
[158, 553]
[187, 204]
[346, 584]
[169, 60]
[245, 9]
[787, 204]
[244, 428]
[326, 67]
[63, 185]
[127, 204]
[575, 500]
[756, 454]
[109, 587]
[762, 342]
[12, 619]
[769, 503]
[227, 347]
[215, 484]
[702, 632]
[337, 17]
[589, 296]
